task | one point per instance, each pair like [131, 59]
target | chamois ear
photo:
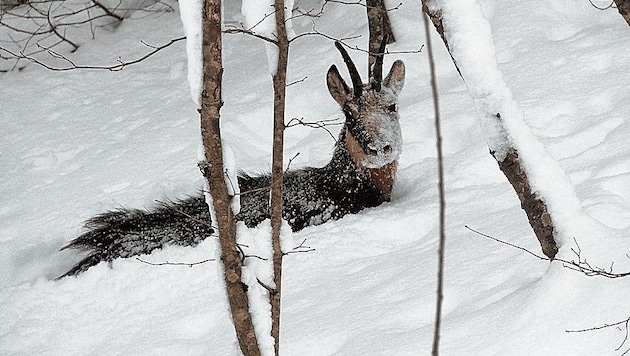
[395, 80]
[336, 86]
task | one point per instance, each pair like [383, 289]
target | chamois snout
[380, 153]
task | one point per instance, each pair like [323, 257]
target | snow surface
[78, 143]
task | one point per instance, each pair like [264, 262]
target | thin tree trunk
[442, 241]
[213, 171]
[277, 171]
[623, 6]
[534, 206]
[379, 25]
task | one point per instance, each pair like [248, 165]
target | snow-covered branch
[546, 194]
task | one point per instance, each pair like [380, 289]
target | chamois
[359, 175]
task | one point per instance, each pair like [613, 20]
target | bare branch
[625, 323]
[72, 66]
[250, 31]
[107, 11]
[507, 243]
[291, 161]
[245, 31]
[301, 248]
[38, 26]
[602, 8]
[271, 291]
[581, 265]
[174, 208]
[191, 264]
[297, 81]
[604, 326]
[321, 124]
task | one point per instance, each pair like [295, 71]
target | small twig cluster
[580, 265]
[320, 124]
[43, 26]
[301, 248]
[120, 64]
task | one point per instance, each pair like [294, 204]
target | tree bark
[277, 171]
[623, 6]
[534, 206]
[213, 171]
[379, 25]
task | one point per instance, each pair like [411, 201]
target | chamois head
[372, 130]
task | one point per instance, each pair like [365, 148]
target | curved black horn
[357, 83]
[378, 64]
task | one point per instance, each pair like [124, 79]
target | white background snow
[78, 143]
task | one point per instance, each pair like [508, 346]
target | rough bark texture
[277, 171]
[379, 25]
[624, 9]
[535, 207]
[213, 171]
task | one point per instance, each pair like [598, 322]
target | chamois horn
[357, 83]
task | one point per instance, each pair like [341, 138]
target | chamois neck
[344, 165]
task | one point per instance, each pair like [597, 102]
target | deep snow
[78, 143]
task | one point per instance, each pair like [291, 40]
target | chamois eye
[392, 108]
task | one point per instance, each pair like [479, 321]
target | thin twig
[172, 207]
[291, 161]
[612, 3]
[301, 248]
[442, 239]
[626, 324]
[321, 124]
[271, 291]
[72, 66]
[297, 81]
[507, 243]
[581, 265]
[191, 264]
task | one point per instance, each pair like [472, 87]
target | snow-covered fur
[359, 175]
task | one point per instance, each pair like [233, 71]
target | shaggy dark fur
[311, 196]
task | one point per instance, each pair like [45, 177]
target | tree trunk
[534, 206]
[624, 9]
[277, 171]
[213, 171]
[379, 25]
